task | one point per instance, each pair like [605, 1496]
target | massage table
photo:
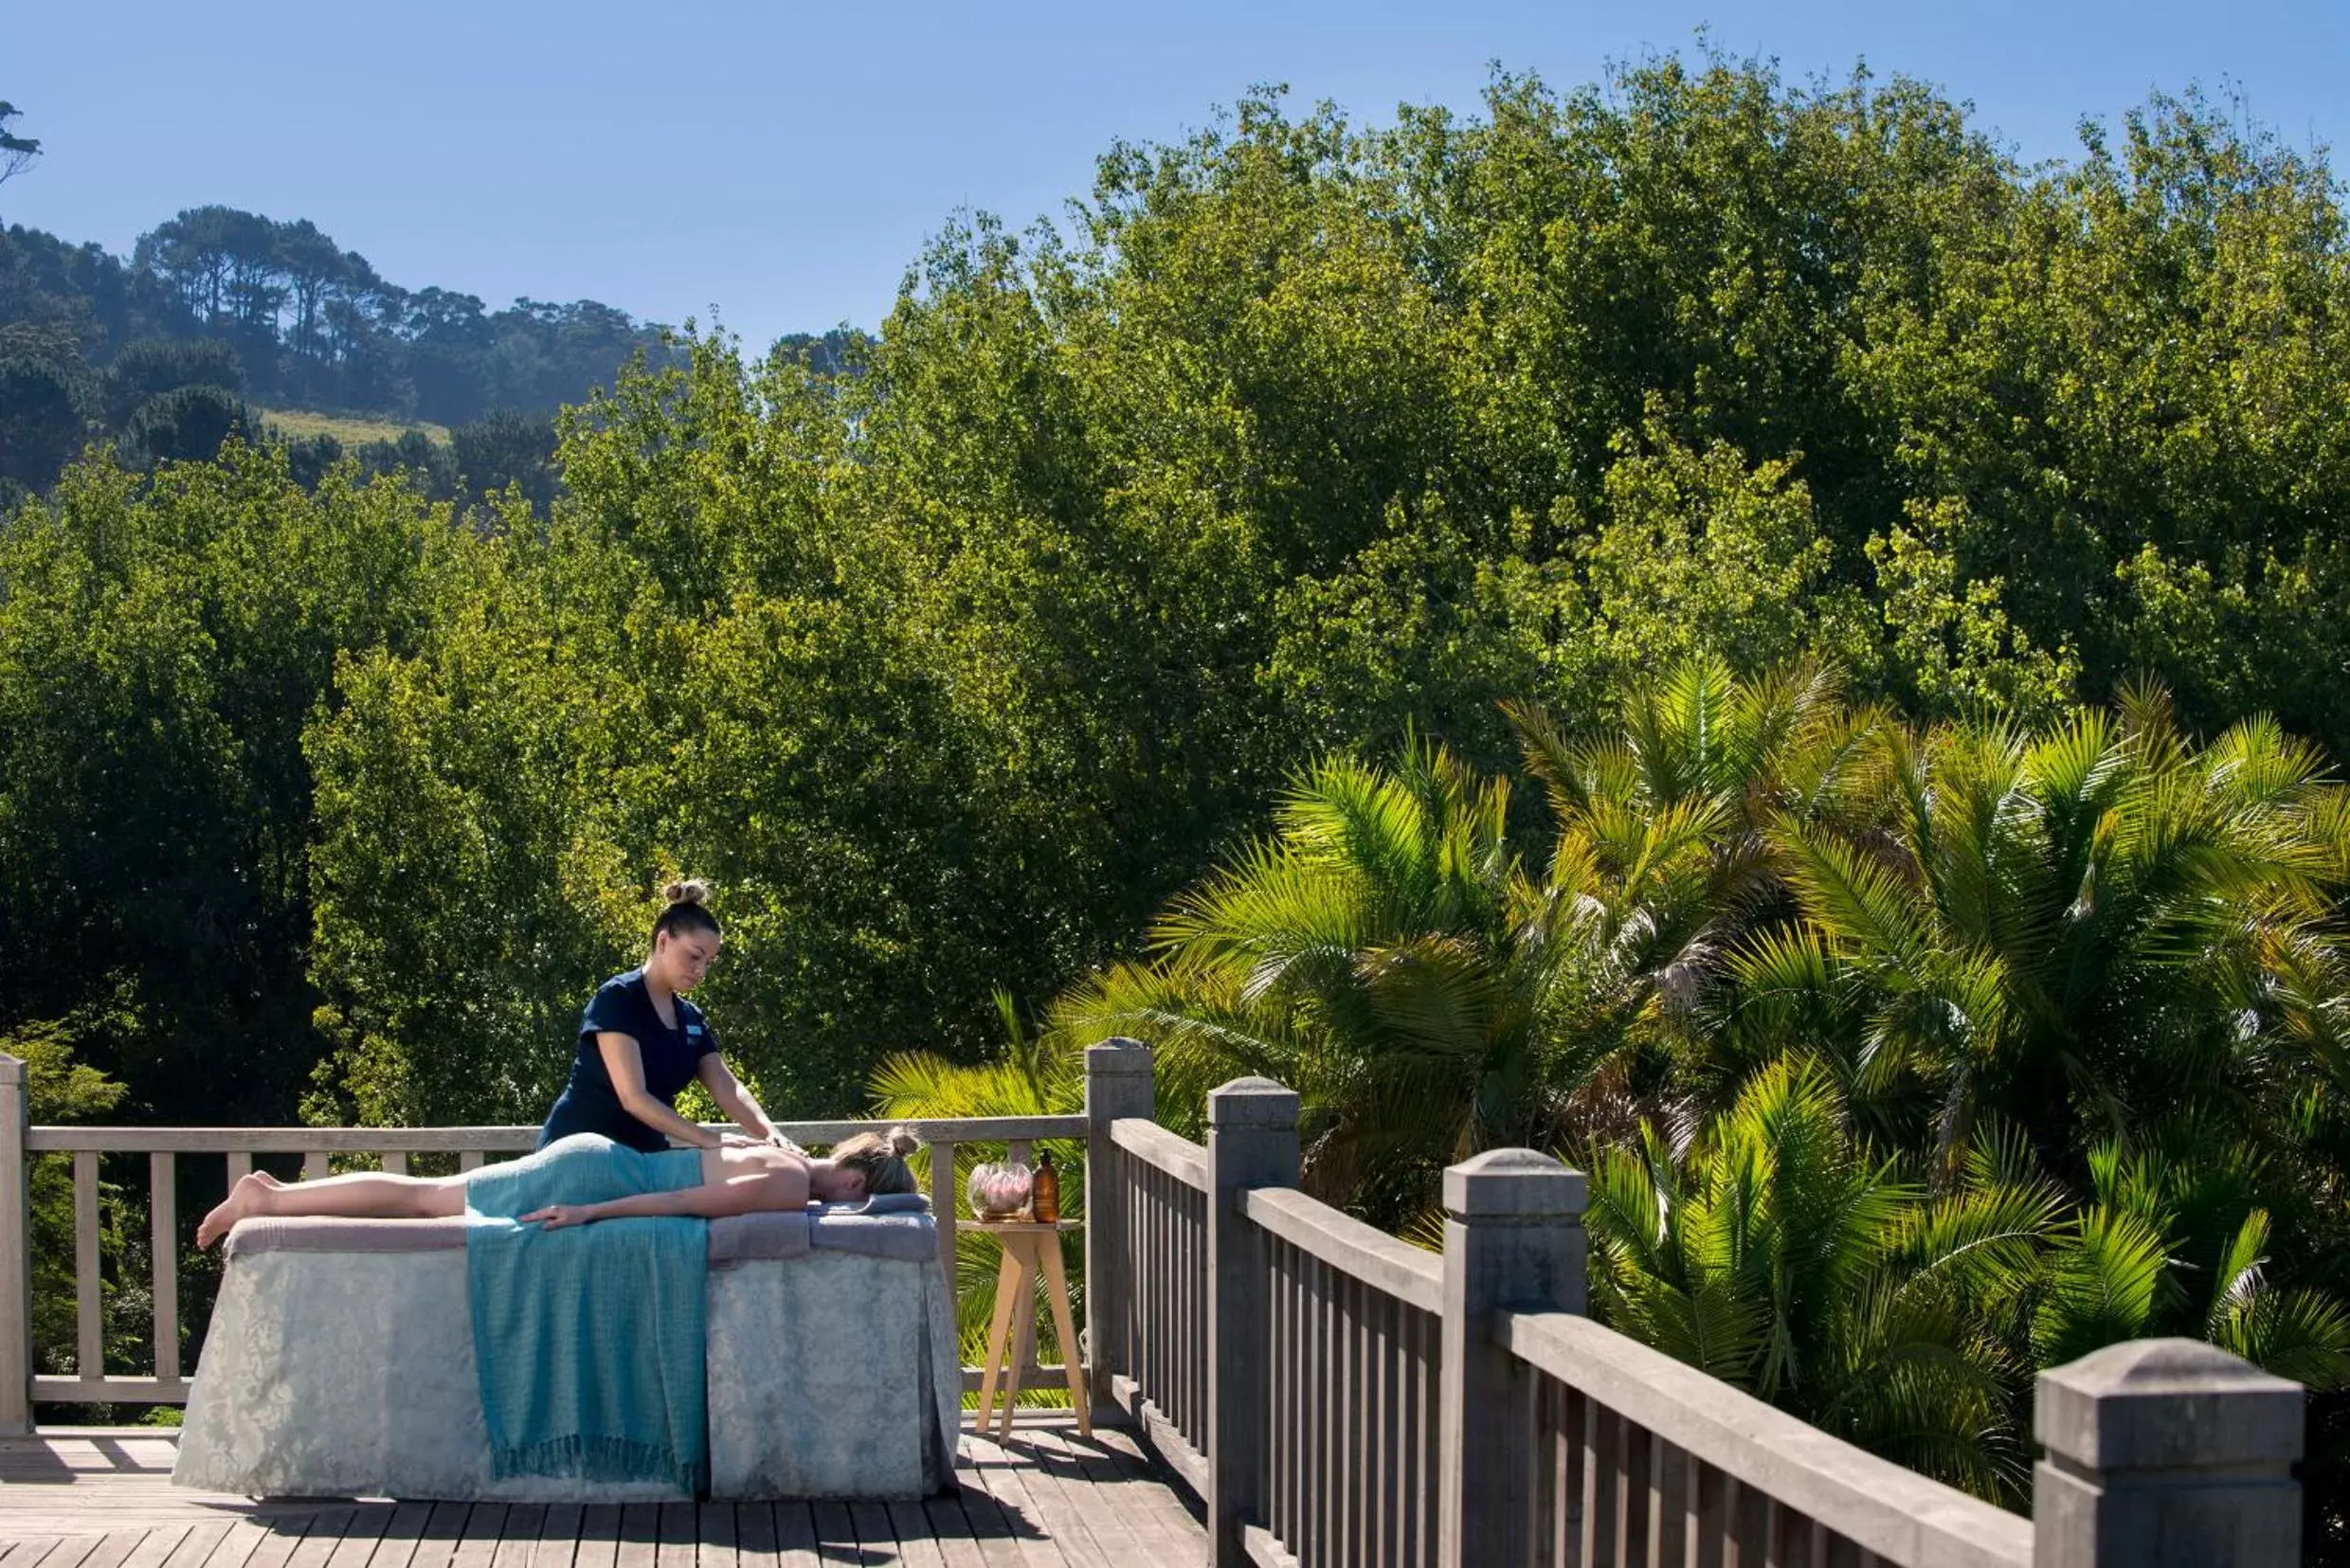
[339, 1362]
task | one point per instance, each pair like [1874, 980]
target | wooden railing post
[1513, 1238]
[1117, 1083]
[15, 1252]
[1252, 1142]
[2166, 1453]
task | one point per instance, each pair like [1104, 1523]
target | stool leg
[1024, 1332]
[1056, 1291]
[999, 1329]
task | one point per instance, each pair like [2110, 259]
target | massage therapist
[641, 1042]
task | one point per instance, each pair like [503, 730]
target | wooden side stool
[1029, 1248]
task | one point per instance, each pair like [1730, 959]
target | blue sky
[785, 162]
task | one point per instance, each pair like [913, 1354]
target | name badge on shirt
[692, 1029]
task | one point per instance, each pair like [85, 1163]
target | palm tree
[2065, 928]
[1662, 862]
[2175, 1241]
[1777, 1254]
[1382, 951]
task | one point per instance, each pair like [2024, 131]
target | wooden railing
[1339, 1397]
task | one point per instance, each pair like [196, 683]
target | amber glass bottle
[1044, 1192]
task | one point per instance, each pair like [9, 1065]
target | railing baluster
[316, 1164]
[1667, 1479]
[90, 1345]
[1706, 1521]
[1138, 1275]
[1632, 1487]
[1326, 1414]
[1600, 1441]
[1286, 1399]
[1379, 1481]
[470, 1160]
[395, 1162]
[1189, 1261]
[163, 1213]
[240, 1166]
[1350, 1488]
[1160, 1307]
[1408, 1437]
[944, 1203]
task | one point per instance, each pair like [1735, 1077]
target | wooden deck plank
[1022, 1517]
[29, 1552]
[234, 1547]
[558, 1537]
[155, 1548]
[755, 1534]
[640, 1535]
[73, 1550]
[917, 1546]
[994, 1533]
[952, 1529]
[443, 1528]
[713, 1526]
[1154, 1500]
[484, 1523]
[877, 1536]
[673, 1541]
[1118, 1527]
[795, 1535]
[320, 1541]
[1058, 1512]
[115, 1547]
[198, 1545]
[275, 1547]
[599, 1536]
[836, 1533]
[395, 1546]
[1094, 1475]
[517, 1537]
[362, 1534]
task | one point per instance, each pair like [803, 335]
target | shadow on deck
[1045, 1498]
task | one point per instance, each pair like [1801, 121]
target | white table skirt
[330, 1374]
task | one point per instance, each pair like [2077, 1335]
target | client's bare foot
[242, 1200]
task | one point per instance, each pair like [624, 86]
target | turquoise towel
[589, 1340]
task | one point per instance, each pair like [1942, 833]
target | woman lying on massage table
[587, 1177]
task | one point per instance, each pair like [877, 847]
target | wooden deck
[82, 1497]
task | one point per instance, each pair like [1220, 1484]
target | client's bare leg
[362, 1196]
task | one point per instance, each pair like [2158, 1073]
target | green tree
[16, 153]
[154, 365]
[41, 420]
[184, 426]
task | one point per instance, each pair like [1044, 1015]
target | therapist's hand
[740, 1141]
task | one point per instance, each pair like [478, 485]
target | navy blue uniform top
[672, 1057]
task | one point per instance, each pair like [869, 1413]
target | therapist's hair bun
[686, 911]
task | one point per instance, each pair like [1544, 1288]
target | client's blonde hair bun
[692, 890]
[901, 1143]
